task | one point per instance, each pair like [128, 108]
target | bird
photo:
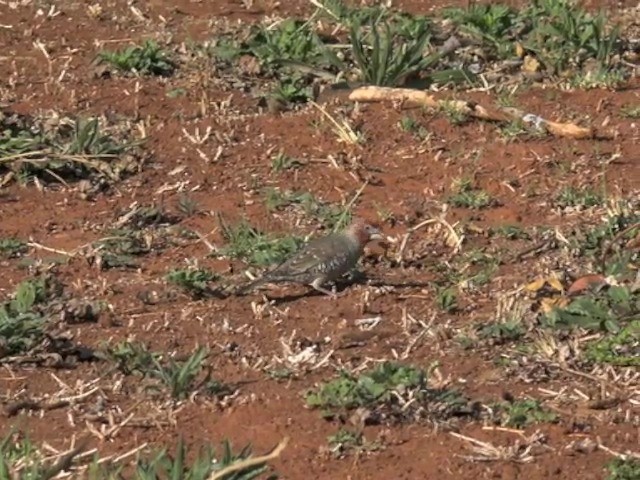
[324, 259]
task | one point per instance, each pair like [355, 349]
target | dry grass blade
[518, 452]
[341, 128]
[251, 462]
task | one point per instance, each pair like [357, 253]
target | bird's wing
[313, 254]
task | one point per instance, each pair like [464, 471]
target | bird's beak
[377, 235]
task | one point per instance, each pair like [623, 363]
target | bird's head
[364, 231]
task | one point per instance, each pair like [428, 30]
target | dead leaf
[549, 304]
[536, 285]
[531, 64]
[586, 282]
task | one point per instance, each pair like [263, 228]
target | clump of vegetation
[465, 195]
[20, 458]
[246, 243]
[195, 281]
[520, 414]
[624, 469]
[70, 149]
[180, 378]
[606, 311]
[11, 247]
[146, 59]
[389, 390]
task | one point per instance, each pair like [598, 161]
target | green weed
[466, 196]
[520, 414]
[623, 469]
[622, 348]
[607, 311]
[246, 243]
[282, 162]
[511, 232]
[447, 300]
[388, 387]
[193, 280]
[575, 197]
[22, 320]
[20, 458]
[630, 111]
[12, 247]
[146, 59]
[179, 378]
[74, 149]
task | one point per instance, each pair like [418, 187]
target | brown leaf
[586, 282]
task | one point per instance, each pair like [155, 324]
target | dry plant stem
[496, 114]
[405, 238]
[250, 462]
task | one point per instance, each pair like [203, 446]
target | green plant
[447, 300]
[12, 247]
[72, 148]
[466, 196]
[370, 388]
[281, 162]
[22, 323]
[193, 280]
[384, 59]
[630, 111]
[256, 248]
[492, 23]
[395, 389]
[510, 232]
[21, 459]
[608, 311]
[623, 469]
[574, 197]
[187, 205]
[290, 41]
[293, 89]
[131, 357]
[163, 465]
[146, 59]
[622, 348]
[518, 128]
[454, 114]
[563, 33]
[180, 378]
[520, 414]
[505, 331]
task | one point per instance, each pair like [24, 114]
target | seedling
[520, 414]
[398, 390]
[194, 281]
[22, 321]
[256, 248]
[12, 247]
[282, 162]
[511, 232]
[573, 197]
[466, 196]
[146, 59]
[622, 348]
[447, 300]
[74, 149]
[179, 378]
